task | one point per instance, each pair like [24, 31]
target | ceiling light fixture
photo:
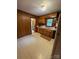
[44, 6]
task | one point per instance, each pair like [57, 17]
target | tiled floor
[34, 47]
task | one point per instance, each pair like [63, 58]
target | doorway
[33, 22]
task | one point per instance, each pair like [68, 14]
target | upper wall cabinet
[42, 19]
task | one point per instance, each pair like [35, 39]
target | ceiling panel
[35, 6]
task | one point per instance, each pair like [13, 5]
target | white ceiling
[34, 6]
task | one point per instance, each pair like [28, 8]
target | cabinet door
[27, 25]
[23, 25]
[19, 25]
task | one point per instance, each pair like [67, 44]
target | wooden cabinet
[42, 19]
[47, 32]
[23, 24]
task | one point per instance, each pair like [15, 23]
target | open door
[33, 22]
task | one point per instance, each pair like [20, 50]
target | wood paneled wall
[42, 19]
[23, 23]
